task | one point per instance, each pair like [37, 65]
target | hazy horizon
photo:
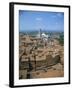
[41, 30]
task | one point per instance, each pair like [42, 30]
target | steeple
[40, 33]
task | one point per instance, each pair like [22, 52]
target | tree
[61, 40]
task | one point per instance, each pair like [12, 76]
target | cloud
[56, 23]
[54, 16]
[59, 15]
[39, 19]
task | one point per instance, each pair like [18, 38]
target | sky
[35, 20]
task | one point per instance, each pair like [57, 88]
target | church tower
[40, 32]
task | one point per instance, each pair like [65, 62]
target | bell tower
[40, 32]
